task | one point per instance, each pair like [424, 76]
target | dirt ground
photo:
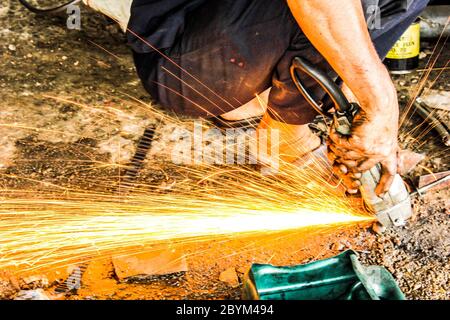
[45, 68]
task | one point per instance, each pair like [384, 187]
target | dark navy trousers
[231, 50]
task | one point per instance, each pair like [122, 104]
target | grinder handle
[300, 64]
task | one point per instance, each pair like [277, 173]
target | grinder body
[395, 207]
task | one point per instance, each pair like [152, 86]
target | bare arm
[339, 32]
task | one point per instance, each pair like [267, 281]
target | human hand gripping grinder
[395, 207]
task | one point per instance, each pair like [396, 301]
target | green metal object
[338, 278]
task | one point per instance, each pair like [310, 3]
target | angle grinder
[395, 207]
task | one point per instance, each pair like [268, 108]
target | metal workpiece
[420, 191]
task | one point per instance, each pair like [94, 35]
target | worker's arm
[338, 30]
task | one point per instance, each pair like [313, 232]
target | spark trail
[44, 230]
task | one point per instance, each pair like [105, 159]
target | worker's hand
[374, 137]
[373, 140]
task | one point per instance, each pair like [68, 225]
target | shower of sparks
[41, 233]
[60, 224]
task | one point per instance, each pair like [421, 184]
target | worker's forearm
[339, 32]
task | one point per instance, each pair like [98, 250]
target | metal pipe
[424, 189]
[57, 9]
[425, 114]
[433, 21]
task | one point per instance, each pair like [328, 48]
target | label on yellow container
[408, 46]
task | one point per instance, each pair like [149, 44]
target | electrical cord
[54, 10]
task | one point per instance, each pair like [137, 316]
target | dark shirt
[159, 22]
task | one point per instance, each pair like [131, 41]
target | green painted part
[338, 278]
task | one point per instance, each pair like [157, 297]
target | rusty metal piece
[432, 177]
[408, 160]
[442, 182]
[153, 263]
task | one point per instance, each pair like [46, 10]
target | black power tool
[395, 207]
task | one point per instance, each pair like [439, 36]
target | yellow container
[404, 55]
